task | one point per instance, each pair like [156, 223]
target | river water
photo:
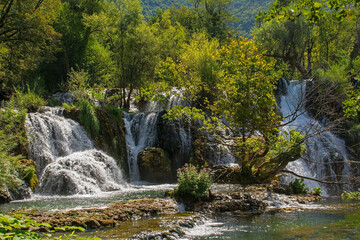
[330, 221]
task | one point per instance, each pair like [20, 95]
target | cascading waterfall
[323, 149]
[140, 134]
[67, 162]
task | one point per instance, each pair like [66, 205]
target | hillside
[244, 11]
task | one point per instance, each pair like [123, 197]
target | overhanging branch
[314, 179]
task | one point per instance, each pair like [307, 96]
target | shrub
[298, 186]
[78, 83]
[192, 183]
[317, 191]
[26, 100]
[88, 118]
[351, 195]
[12, 141]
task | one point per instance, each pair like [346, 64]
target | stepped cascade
[323, 149]
[67, 162]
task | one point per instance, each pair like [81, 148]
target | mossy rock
[27, 173]
[111, 135]
[154, 166]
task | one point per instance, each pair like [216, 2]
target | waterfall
[140, 134]
[67, 162]
[323, 150]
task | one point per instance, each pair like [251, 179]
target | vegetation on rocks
[154, 166]
[192, 183]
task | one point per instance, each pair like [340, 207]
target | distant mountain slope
[244, 10]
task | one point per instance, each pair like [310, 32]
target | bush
[13, 141]
[26, 100]
[351, 195]
[88, 118]
[298, 186]
[192, 183]
[317, 191]
[78, 83]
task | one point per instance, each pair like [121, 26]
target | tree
[27, 37]
[241, 82]
[291, 41]
[215, 16]
[132, 43]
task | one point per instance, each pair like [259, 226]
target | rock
[64, 97]
[154, 166]
[4, 196]
[107, 217]
[175, 138]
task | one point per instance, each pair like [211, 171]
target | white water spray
[67, 162]
[322, 150]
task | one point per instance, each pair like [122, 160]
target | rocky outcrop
[175, 139]
[155, 166]
[110, 216]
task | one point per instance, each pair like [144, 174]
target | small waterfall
[140, 134]
[326, 155]
[67, 162]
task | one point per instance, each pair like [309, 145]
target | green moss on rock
[155, 166]
[111, 135]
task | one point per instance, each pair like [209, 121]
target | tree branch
[314, 179]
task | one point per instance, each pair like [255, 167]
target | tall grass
[88, 118]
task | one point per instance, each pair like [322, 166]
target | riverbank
[223, 198]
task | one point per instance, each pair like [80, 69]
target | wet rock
[107, 217]
[64, 97]
[154, 166]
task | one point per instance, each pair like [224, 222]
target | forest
[228, 80]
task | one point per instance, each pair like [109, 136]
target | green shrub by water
[192, 183]
[298, 186]
[317, 191]
[28, 100]
[351, 195]
[88, 117]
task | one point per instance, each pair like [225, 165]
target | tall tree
[26, 38]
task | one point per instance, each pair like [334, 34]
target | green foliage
[19, 227]
[298, 186]
[53, 102]
[28, 100]
[317, 191]
[12, 141]
[192, 183]
[352, 104]
[88, 118]
[78, 83]
[351, 195]
[27, 38]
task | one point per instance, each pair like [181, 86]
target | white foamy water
[322, 150]
[67, 162]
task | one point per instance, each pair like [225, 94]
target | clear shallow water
[339, 221]
[62, 203]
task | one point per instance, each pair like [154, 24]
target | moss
[110, 136]
[155, 166]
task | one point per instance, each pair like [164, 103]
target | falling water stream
[323, 149]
